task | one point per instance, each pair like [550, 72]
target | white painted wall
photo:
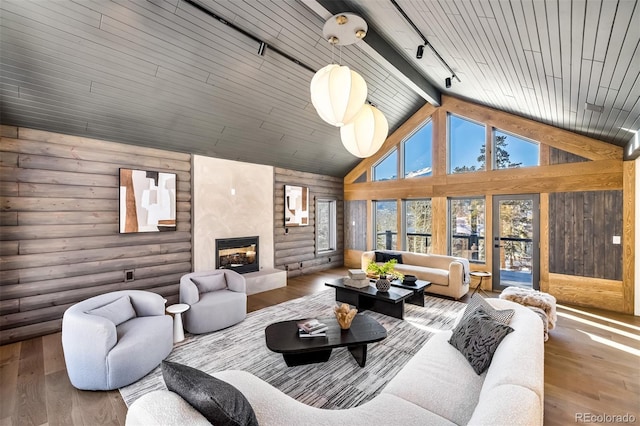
[231, 199]
[637, 245]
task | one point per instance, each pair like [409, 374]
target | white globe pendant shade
[338, 93]
[366, 133]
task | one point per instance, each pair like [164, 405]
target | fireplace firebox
[238, 254]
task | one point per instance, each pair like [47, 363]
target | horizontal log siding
[59, 223]
[295, 246]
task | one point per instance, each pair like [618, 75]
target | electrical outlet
[616, 239]
[129, 275]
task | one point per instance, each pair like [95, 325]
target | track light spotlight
[447, 82]
[420, 51]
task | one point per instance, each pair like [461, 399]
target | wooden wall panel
[582, 226]
[294, 247]
[630, 245]
[59, 223]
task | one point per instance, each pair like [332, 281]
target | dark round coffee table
[282, 337]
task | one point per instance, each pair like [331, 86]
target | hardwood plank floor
[592, 365]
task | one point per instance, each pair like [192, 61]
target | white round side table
[177, 310]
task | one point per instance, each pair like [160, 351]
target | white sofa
[436, 387]
[449, 275]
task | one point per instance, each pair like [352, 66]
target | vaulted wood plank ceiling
[162, 73]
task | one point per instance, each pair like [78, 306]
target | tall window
[325, 225]
[466, 228]
[466, 145]
[387, 168]
[417, 152]
[511, 151]
[386, 224]
[417, 216]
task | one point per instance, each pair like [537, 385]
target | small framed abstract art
[296, 205]
[147, 201]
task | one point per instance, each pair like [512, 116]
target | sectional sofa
[449, 275]
[436, 387]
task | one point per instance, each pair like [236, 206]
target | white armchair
[217, 299]
[114, 339]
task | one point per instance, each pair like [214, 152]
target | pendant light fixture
[366, 133]
[339, 94]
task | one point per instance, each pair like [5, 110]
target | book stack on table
[357, 278]
[312, 328]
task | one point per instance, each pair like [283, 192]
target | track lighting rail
[262, 45]
[426, 42]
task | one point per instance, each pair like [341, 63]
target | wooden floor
[592, 365]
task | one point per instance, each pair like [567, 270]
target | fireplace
[238, 254]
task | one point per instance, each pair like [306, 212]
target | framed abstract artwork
[147, 201]
[296, 205]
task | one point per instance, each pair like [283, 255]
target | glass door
[516, 247]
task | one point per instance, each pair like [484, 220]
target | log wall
[59, 227]
[295, 247]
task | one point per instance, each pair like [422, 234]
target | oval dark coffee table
[282, 337]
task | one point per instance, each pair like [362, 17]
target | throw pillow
[385, 257]
[478, 338]
[504, 316]
[118, 311]
[207, 283]
[218, 401]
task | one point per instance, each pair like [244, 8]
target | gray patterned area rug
[337, 383]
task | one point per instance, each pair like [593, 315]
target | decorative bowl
[409, 280]
[344, 315]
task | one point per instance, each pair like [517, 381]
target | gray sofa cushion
[118, 311]
[221, 403]
[478, 337]
[209, 283]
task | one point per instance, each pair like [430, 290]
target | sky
[467, 138]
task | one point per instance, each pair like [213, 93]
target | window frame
[374, 214]
[333, 225]
[403, 151]
[450, 231]
[383, 159]
[448, 148]
[494, 147]
[405, 240]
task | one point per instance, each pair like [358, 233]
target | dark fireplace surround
[238, 254]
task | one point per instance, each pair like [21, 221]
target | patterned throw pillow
[504, 316]
[478, 337]
[221, 403]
